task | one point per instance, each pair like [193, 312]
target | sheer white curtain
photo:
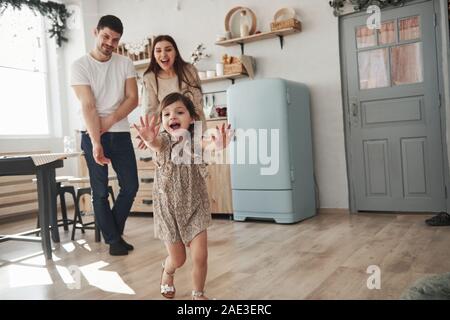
[405, 59]
[373, 69]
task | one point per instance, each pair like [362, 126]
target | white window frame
[46, 46]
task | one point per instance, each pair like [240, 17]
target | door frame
[344, 92]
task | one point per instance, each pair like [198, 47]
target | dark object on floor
[441, 219]
[436, 287]
[117, 249]
[126, 244]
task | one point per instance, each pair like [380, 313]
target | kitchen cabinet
[146, 172]
[219, 181]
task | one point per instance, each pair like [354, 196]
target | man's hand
[99, 157]
[106, 123]
[148, 131]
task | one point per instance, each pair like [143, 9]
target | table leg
[53, 209]
[44, 192]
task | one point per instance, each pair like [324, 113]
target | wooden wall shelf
[217, 119]
[140, 64]
[257, 37]
[231, 77]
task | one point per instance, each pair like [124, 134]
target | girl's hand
[148, 131]
[222, 137]
[141, 144]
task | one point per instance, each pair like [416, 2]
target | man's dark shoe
[442, 219]
[117, 249]
[126, 244]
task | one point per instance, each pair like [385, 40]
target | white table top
[41, 159]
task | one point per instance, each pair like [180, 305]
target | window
[23, 74]
[392, 56]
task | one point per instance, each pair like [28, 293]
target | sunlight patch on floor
[109, 281]
[69, 247]
[30, 255]
[70, 276]
[25, 276]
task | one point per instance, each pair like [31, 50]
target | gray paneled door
[396, 159]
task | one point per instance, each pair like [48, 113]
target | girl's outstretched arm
[149, 133]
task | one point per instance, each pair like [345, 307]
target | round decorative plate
[229, 18]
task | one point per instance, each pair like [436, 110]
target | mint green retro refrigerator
[272, 172]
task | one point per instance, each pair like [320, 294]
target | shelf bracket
[281, 41]
[242, 47]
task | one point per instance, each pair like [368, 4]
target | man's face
[107, 41]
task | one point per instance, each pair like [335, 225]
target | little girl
[180, 198]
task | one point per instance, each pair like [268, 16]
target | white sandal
[166, 290]
[198, 294]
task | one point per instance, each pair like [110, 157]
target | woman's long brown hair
[179, 64]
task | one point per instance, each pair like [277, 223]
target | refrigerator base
[282, 218]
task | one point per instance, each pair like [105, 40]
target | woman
[168, 73]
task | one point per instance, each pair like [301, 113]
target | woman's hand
[222, 137]
[148, 131]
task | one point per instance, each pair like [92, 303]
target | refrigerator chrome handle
[234, 127]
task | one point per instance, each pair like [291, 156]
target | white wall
[311, 57]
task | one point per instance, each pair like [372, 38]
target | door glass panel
[373, 68]
[365, 37]
[409, 28]
[386, 34]
[407, 63]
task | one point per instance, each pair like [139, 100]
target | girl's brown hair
[179, 64]
[174, 97]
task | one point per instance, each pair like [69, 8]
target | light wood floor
[325, 257]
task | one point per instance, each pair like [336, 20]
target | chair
[77, 220]
[61, 191]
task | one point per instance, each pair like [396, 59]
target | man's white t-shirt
[107, 81]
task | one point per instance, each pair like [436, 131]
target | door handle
[354, 109]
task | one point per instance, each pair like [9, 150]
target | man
[105, 84]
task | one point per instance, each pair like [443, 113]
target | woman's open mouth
[165, 62]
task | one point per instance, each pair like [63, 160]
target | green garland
[55, 12]
[359, 5]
